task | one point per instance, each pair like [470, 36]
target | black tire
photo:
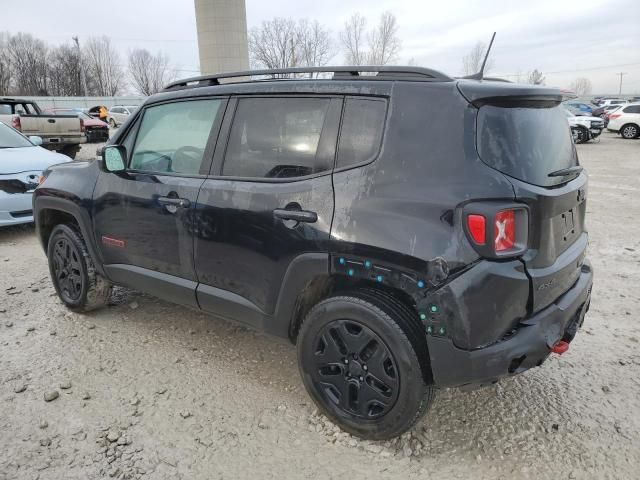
[387, 357]
[582, 135]
[80, 287]
[630, 130]
[112, 123]
[70, 151]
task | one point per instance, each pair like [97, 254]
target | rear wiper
[566, 171]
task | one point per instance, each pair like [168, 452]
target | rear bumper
[528, 347]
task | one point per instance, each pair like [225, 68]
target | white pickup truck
[62, 133]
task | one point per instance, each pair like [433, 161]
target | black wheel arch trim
[81, 215]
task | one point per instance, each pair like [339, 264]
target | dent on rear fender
[418, 283]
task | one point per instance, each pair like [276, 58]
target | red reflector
[560, 347]
[477, 228]
[15, 123]
[504, 230]
[113, 242]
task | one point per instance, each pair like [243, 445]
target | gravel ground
[146, 389]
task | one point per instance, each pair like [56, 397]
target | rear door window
[361, 133]
[276, 138]
[526, 143]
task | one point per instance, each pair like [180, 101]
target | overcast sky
[565, 39]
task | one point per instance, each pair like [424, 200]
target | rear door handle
[174, 201]
[297, 215]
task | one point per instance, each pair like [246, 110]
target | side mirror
[37, 141]
[113, 157]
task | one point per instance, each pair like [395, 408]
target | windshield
[526, 143]
[9, 138]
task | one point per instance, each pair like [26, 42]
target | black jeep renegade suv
[406, 230]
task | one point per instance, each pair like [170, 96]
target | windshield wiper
[567, 171]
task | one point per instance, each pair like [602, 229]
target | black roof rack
[385, 72]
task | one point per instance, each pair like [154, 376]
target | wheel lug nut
[346, 361]
[361, 379]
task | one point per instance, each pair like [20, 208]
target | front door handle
[174, 201]
[296, 215]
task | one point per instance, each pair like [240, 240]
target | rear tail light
[477, 228]
[614, 115]
[496, 231]
[82, 129]
[504, 230]
[15, 123]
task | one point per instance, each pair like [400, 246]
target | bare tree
[314, 43]
[535, 77]
[581, 86]
[384, 44]
[274, 44]
[353, 40]
[65, 71]
[5, 65]
[149, 73]
[104, 73]
[472, 62]
[28, 60]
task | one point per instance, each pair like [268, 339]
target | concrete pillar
[222, 35]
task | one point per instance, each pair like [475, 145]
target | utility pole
[621, 74]
[83, 82]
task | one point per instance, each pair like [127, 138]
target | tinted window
[172, 137]
[632, 109]
[361, 133]
[276, 138]
[526, 143]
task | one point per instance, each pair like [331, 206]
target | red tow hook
[560, 347]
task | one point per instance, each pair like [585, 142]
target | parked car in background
[626, 121]
[583, 107]
[95, 130]
[612, 101]
[584, 128]
[62, 133]
[577, 112]
[119, 114]
[22, 162]
[596, 100]
[608, 110]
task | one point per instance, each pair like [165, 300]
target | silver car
[119, 114]
[22, 162]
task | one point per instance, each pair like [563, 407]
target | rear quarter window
[361, 133]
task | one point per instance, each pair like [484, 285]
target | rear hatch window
[526, 143]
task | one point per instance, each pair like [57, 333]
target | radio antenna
[480, 74]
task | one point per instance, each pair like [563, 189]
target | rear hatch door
[523, 132]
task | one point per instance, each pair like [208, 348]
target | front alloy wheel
[67, 270]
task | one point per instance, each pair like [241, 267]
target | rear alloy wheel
[360, 367]
[112, 123]
[630, 131]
